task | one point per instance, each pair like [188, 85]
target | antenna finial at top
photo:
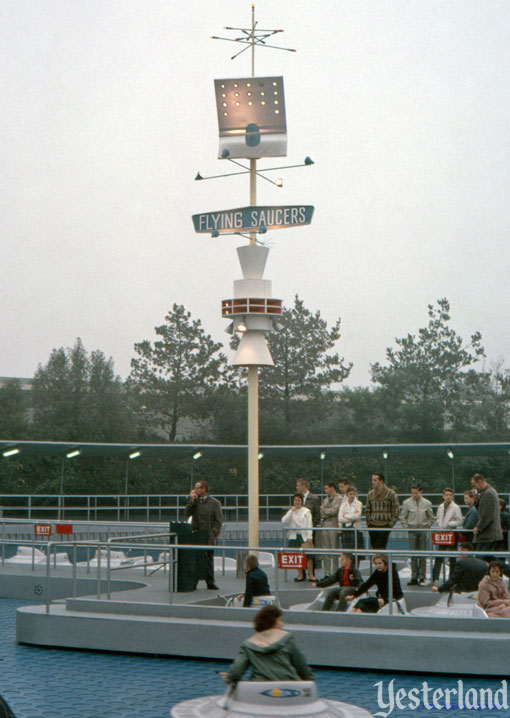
[252, 37]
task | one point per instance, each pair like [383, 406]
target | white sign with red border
[443, 538]
[42, 529]
[291, 559]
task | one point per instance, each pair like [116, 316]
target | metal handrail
[172, 549]
[120, 503]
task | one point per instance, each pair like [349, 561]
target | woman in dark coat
[378, 578]
[271, 653]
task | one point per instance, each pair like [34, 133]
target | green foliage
[175, 378]
[428, 390]
[425, 377]
[77, 397]
[13, 408]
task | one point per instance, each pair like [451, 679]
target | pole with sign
[252, 124]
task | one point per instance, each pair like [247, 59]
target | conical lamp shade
[253, 351]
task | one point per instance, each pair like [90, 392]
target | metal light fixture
[135, 454]
[251, 117]
[197, 455]
[323, 455]
[449, 454]
[73, 454]
[260, 455]
[385, 455]
[11, 452]
[241, 327]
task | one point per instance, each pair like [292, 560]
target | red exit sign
[42, 529]
[443, 538]
[291, 559]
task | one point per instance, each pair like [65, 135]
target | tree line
[433, 387]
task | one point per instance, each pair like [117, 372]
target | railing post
[74, 570]
[276, 553]
[390, 583]
[48, 572]
[171, 573]
[98, 554]
[108, 574]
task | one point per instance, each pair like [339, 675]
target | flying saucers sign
[253, 219]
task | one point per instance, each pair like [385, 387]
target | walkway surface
[51, 683]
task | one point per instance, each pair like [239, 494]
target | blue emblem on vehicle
[281, 693]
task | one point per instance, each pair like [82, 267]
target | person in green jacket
[272, 653]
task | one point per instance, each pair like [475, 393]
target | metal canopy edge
[60, 449]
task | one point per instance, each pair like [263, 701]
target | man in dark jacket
[347, 576]
[487, 532]
[310, 501]
[206, 515]
[467, 574]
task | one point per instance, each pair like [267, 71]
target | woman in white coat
[299, 519]
[349, 519]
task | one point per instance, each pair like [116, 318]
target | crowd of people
[335, 523]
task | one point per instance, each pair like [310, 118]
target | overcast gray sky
[107, 112]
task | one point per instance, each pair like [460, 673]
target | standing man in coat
[206, 515]
[381, 512]
[329, 518]
[417, 514]
[310, 501]
[487, 532]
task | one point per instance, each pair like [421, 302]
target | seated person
[378, 578]
[467, 574]
[256, 581]
[272, 654]
[347, 576]
[493, 594]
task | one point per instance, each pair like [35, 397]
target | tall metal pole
[253, 371]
